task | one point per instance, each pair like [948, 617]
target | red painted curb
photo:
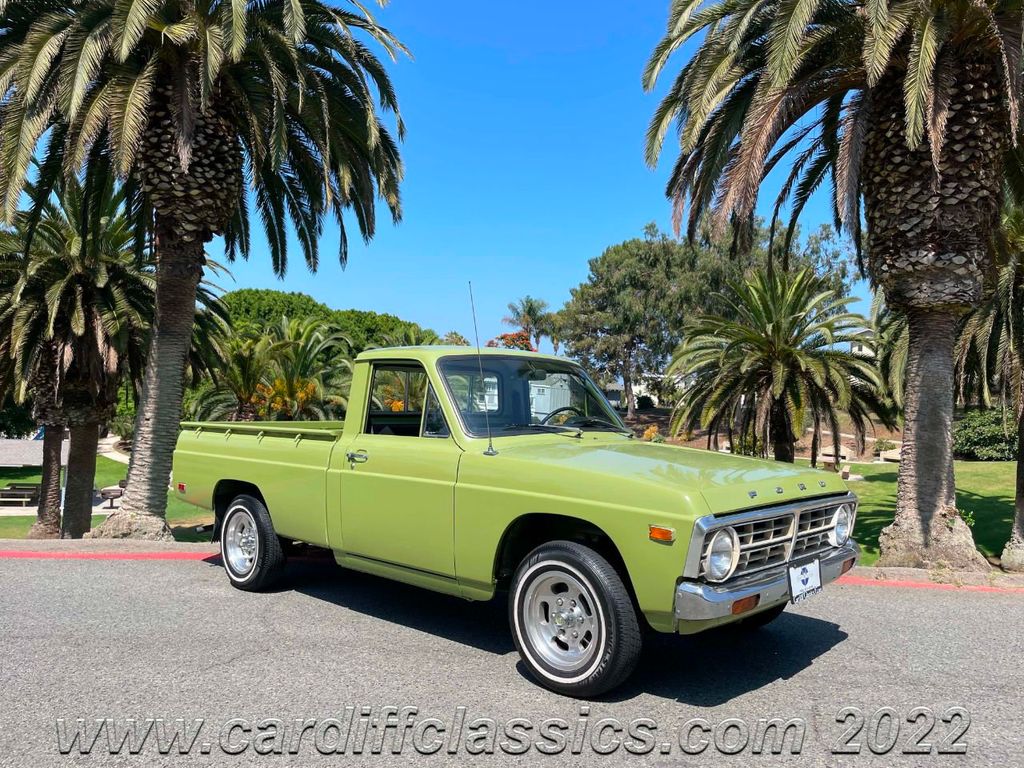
[860, 581]
[51, 555]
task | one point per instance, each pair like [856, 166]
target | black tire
[614, 645]
[761, 619]
[267, 562]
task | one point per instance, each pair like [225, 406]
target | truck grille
[768, 540]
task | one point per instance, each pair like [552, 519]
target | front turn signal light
[661, 533]
[745, 604]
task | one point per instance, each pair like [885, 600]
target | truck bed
[289, 462]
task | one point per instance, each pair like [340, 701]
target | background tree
[515, 340]
[259, 308]
[621, 323]
[990, 361]
[79, 316]
[552, 327]
[410, 336]
[455, 339]
[911, 107]
[528, 315]
[311, 371]
[185, 102]
[235, 394]
[781, 356]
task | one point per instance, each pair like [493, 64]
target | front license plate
[804, 580]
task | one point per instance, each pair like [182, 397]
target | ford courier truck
[471, 474]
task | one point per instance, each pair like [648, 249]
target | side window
[397, 393]
[434, 424]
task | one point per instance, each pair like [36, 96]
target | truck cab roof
[430, 353]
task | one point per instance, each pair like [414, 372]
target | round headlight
[842, 526]
[722, 555]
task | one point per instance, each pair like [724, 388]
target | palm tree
[410, 335]
[552, 325]
[186, 102]
[235, 390]
[892, 342]
[990, 359]
[911, 107]
[40, 387]
[528, 315]
[76, 314]
[310, 372]
[781, 354]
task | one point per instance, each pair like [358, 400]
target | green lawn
[984, 488]
[181, 517]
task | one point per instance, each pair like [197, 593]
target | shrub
[883, 445]
[644, 403]
[123, 427]
[651, 434]
[989, 435]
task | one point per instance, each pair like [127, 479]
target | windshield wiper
[542, 428]
[593, 421]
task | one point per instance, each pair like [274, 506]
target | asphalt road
[144, 639]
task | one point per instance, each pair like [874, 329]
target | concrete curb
[992, 578]
[112, 546]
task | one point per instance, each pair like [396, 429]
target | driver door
[398, 479]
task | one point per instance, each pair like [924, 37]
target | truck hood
[726, 482]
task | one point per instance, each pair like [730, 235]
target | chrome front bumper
[709, 603]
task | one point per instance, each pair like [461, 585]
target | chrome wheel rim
[240, 542]
[561, 620]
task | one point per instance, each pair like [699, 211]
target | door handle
[357, 457]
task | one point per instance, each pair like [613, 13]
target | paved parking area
[170, 639]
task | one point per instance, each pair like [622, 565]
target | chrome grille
[768, 540]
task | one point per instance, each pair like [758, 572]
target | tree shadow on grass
[727, 668]
[992, 510]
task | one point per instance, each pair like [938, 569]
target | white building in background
[548, 396]
[862, 349]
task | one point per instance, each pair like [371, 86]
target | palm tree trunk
[782, 433]
[47, 524]
[144, 507]
[928, 529]
[78, 496]
[1013, 553]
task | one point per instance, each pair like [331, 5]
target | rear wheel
[249, 548]
[572, 620]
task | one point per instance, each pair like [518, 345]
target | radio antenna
[480, 362]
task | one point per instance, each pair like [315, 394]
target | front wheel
[573, 621]
[249, 548]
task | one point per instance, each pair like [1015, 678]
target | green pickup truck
[473, 473]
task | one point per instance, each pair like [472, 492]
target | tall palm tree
[528, 315]
[781, 355]
[990, 359]
[187, 102]
[77, 313]
[910, 107]
[41, 387]
[552, 325]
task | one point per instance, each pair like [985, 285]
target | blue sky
[524, 159]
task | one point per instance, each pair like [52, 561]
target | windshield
[520, 394]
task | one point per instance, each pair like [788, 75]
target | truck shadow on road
[703, 670]
[715, 667]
